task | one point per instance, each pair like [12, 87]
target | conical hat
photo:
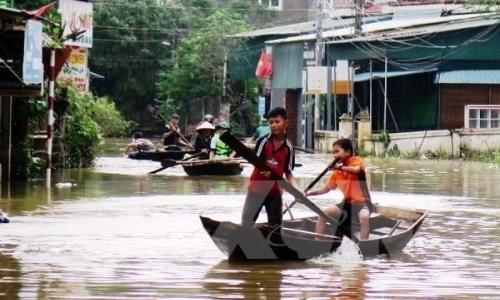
[205, 125]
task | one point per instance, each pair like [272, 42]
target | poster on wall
[74, 71]
[32, 60]
[77, 16]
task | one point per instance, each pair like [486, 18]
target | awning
[469, 77]
[381, 75]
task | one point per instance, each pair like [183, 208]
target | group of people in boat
[277, 151]
[206, 141]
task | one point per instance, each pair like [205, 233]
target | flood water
[114, 232]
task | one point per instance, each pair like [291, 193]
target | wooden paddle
[156, 113]
[170, 164]
[258, 163]
[310, 186]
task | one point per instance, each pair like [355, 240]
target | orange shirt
[353, 186]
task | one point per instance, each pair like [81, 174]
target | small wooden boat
[212, 167]
[390, 231]
[160, 155]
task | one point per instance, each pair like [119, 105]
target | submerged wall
[440, 142]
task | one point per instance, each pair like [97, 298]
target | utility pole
[319, 62]
[358, 9]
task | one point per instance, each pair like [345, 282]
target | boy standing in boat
[277, 151]
[350, 177]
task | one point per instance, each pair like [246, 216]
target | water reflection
[248, 280]
[10, 277]
[352, 284]
[116, 232]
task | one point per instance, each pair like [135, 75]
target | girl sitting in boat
[350, 177]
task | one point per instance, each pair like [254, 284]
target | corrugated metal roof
[379, 75]
[469, 77]
[394, 26]
[298, 28]
[421, 30]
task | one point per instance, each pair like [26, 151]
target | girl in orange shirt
[349, 176]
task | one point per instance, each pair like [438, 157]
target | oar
[246, 153]
[310, 186]
[247, 162]
[170, 164]
[243, 105]
[156, 113]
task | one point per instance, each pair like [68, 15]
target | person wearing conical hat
[219, 149]
[204, 139]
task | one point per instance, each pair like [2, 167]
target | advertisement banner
[77, 16]
[32, 60]
[75, 70]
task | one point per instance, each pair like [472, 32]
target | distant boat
[160, 155]
[390, 231]
[211, 167]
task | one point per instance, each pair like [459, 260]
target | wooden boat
[160, 155]
[390, 231]
[212, 167]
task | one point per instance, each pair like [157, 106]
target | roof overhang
[396, 28]
[380, 75]
[468, 77]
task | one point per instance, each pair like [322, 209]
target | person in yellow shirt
[350, 177]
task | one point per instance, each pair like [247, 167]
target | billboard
[11, 72]
[32, 62]
[77, 16]
[74, 71]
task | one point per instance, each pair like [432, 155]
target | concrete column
[345, 126]
[364, 129]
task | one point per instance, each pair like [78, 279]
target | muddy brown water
[114, 232]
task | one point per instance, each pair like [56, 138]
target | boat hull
[297, 240]
[160, 155]
[210, 167]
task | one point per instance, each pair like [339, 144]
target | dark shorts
[254, 204]
[351, 211]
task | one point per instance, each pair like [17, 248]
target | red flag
[264, 67]
[40, 11]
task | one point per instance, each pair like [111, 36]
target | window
[276, 4]
[482, 116]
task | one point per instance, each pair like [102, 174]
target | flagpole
[50, 117]
[319, 63]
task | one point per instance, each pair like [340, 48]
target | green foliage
[199, 59]
[133, 40]
[486, 157]
[87, 119]
[27, 115]
[385, 139]
[4, 4]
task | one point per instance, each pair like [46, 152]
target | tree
[200, 59]
[132, 41]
